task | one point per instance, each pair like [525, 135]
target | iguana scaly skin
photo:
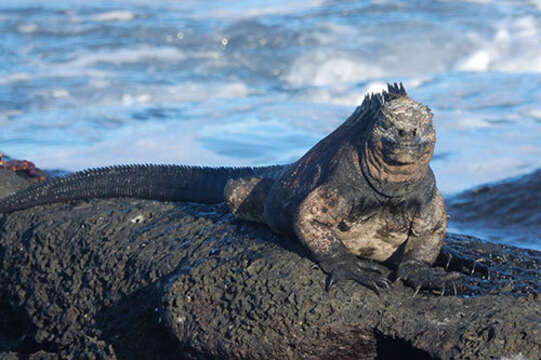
[363, 195]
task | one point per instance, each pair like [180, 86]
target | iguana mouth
[412, 145]
[401, 159]
[404, 153]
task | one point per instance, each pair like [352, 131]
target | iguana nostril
[402, 133]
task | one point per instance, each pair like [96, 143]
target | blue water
[86, 84]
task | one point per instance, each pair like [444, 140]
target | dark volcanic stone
[11, 182]
[135, 279]
[271, 303]
[509, 209]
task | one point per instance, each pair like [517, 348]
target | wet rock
[136, 279]
[508, 209]
[10, 182]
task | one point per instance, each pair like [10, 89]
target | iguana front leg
[423, 247]
[317, 217]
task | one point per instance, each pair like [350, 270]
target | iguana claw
[422, 276]
[350, 267]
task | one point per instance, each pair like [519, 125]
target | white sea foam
[535, 3]
[375, 87]
[116, 15]
[194, 91]
[249, 130]
[350, 95]
[99, 83]
[475, 1]
[417, 53]
[250, 9]
[328, 34]
[414, 83]
[59, 93]
[323, 68]
[515, 47]
[129, 100]
[470, 122]
[119, 56]
[160, 95]
[58, 71]
[536, 113]
[332, 96]
[478, 61]
[136, 143]
[27, 28]
[15, 77]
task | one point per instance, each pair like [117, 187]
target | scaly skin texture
[362, 196]
[366, 193]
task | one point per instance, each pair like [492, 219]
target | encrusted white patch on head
[405, 113]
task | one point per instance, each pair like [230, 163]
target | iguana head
[403, 132]
[401, 141]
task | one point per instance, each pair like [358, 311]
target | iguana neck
[393, 180]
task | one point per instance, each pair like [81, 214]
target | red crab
[24, 166]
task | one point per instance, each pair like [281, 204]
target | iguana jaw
[404, 166]
[405, 153]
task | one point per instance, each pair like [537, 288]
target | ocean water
[86, 84]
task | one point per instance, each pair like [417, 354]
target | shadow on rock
[133, 327]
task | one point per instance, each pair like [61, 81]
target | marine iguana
[363, 195]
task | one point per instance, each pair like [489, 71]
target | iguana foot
[350, 267]
[419, 276]
[462, 262]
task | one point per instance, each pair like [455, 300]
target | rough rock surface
[11, 182]
[135, 279]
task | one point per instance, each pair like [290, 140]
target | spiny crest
[393, 91]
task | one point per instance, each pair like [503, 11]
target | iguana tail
[156, 182]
